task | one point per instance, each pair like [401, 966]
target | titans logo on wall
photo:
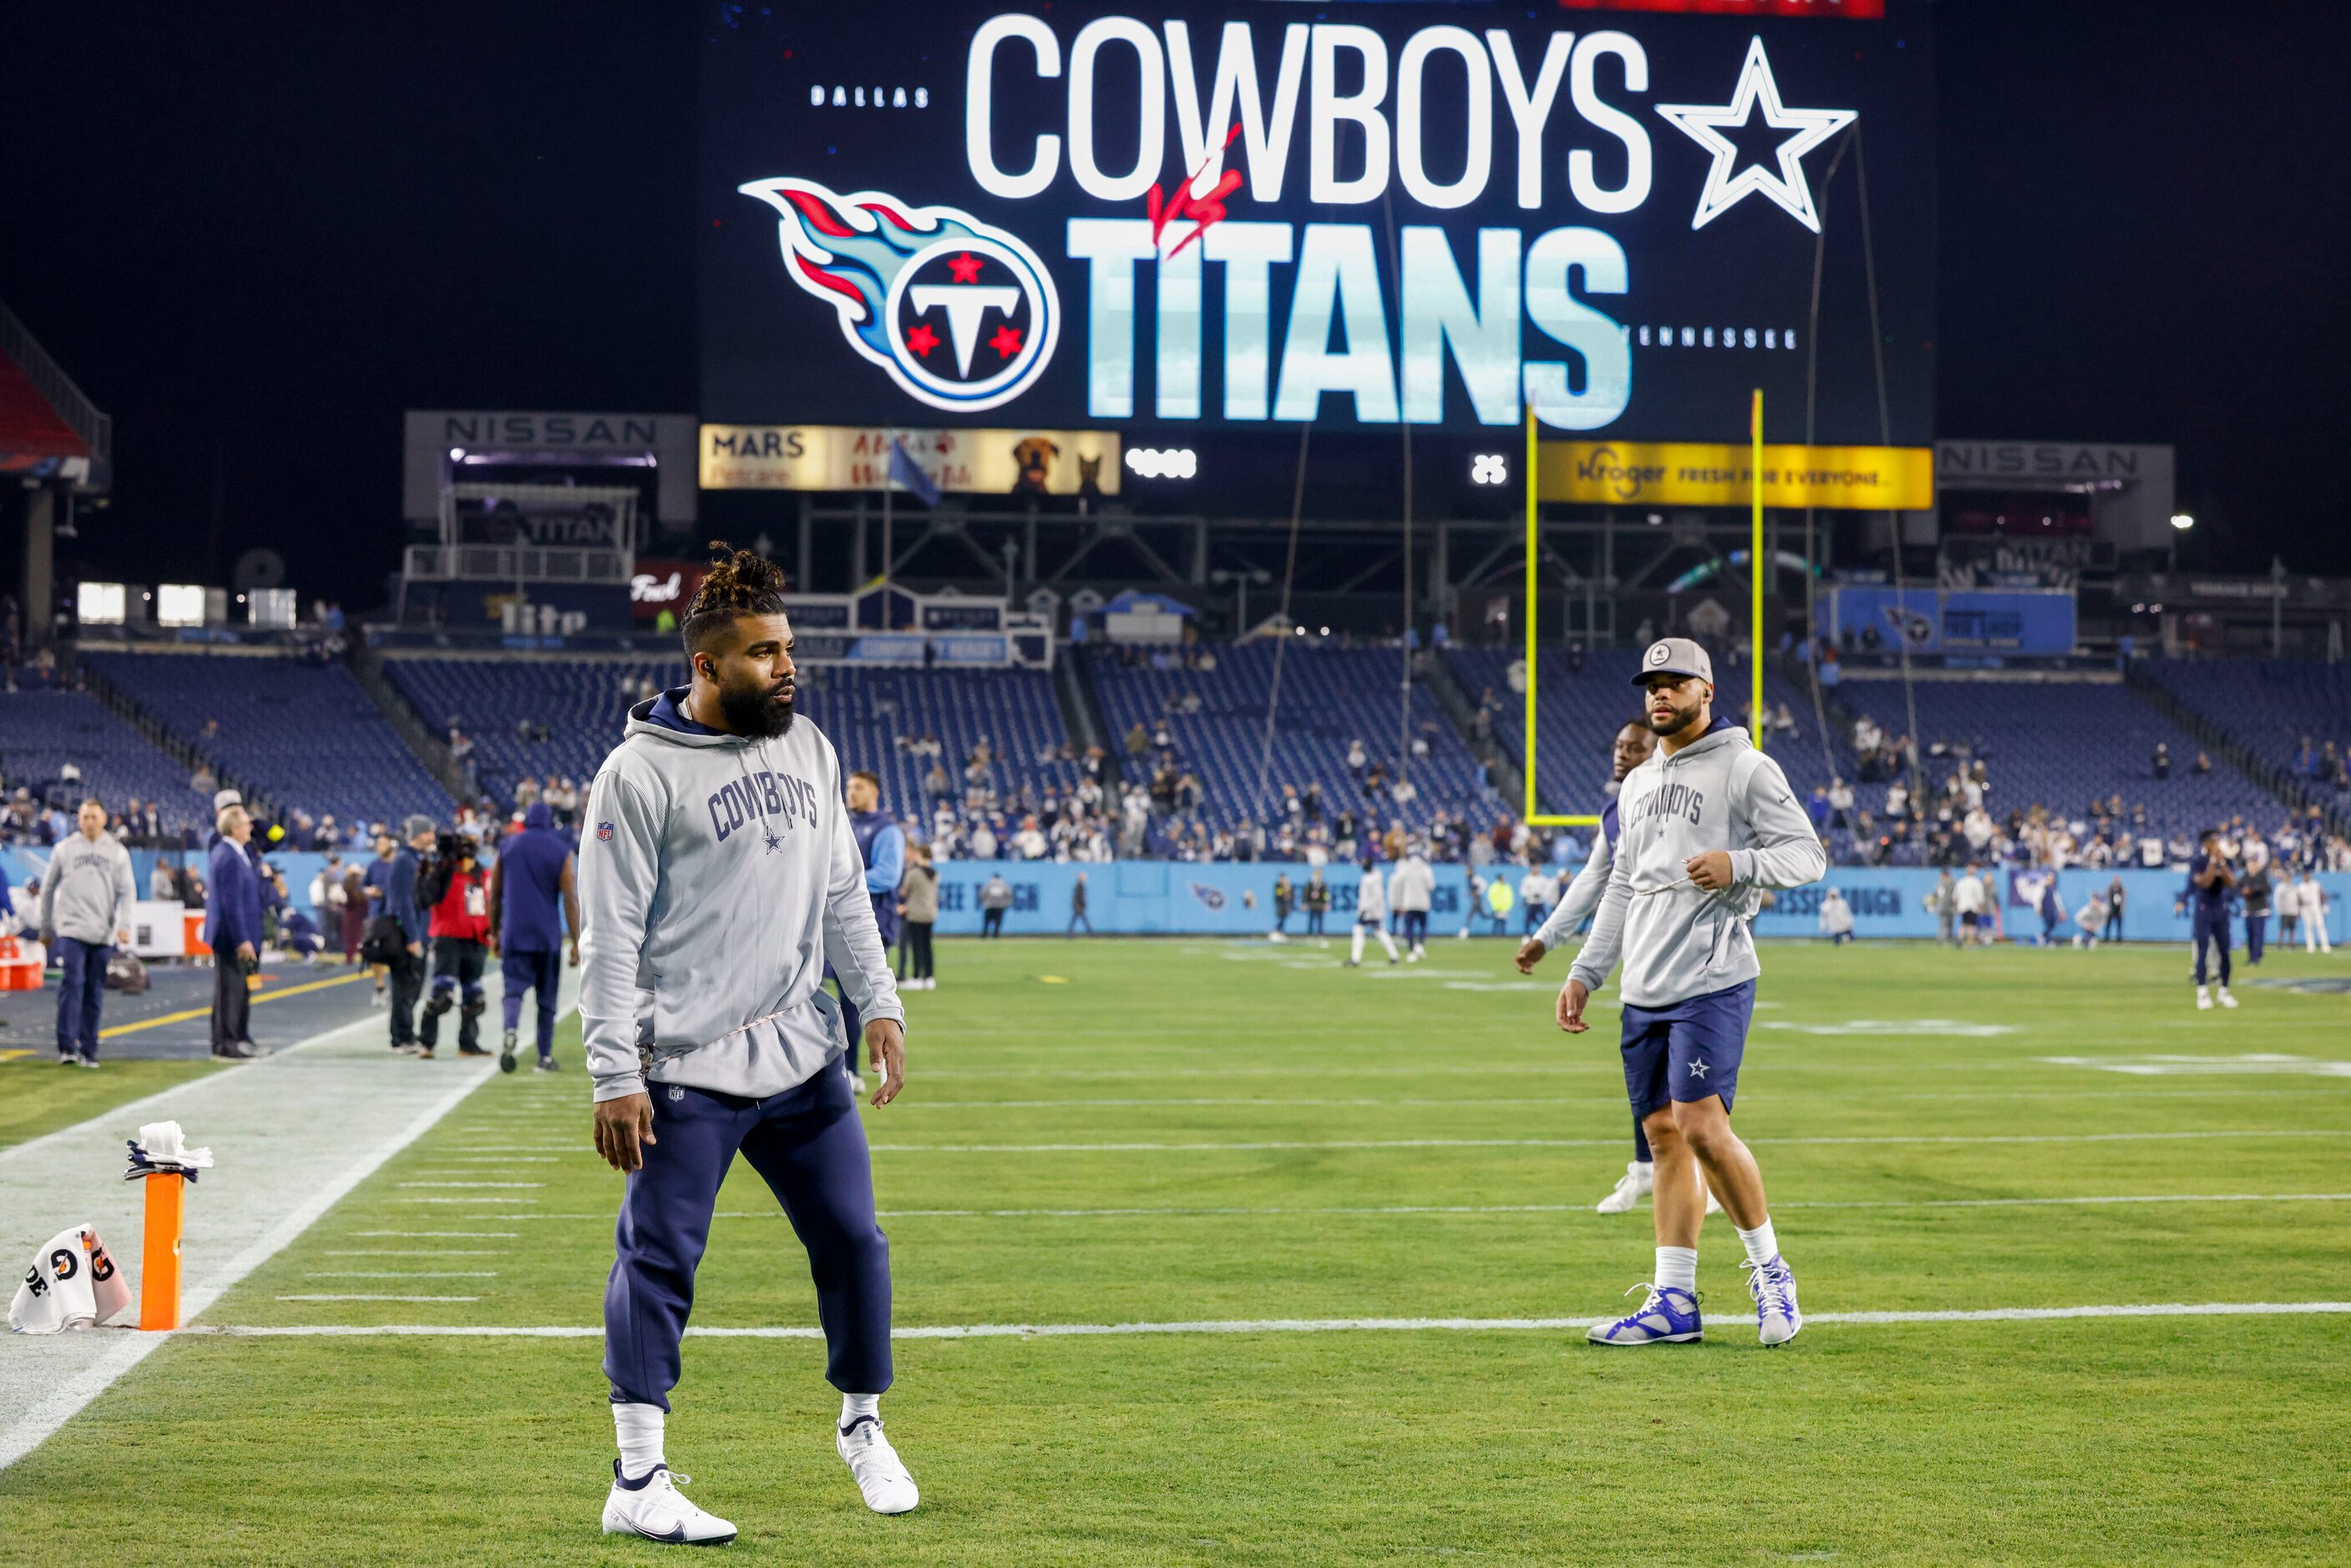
[962, 314]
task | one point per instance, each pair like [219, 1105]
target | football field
[1215, 1253]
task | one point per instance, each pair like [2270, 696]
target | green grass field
[37, 1096]
[1121, 1132]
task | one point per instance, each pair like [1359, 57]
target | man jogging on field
[1703, 827]
[719, 875]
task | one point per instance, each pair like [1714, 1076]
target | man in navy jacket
[233, 931]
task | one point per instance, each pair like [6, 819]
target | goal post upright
[1756, 567]
[1534, 815]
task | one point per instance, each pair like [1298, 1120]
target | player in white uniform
[1370, 916]
[1704, 828]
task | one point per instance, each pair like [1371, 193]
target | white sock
[639, 1427]
[1760, 1244]
[853, 1405]
[1678, 1267]
[1645, 1169]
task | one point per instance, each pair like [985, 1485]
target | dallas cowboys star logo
[774, 843]
[1698, 1068]
[1704, 123]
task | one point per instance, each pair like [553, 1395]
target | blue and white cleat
[1773, 1286]
[654, 1510]
[1668, 1317]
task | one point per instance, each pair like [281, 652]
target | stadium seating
[865, 712]
[2064, 744]
[2266, 706]
[1330, 695]
[41, 731]
[1582, 711]
[302, 734]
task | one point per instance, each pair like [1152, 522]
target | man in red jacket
[456, 889]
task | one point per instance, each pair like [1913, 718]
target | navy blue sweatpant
[809, 1145]
[2211, 930]
[539, 972]
[80, 991]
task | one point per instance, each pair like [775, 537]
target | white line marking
[1583, 1142]
[471, 1234]
[402, 1274]
[1250, 1325]
[34, 1425]
[1445, 1208]
[471, 1202]
[476, 1184]
[356, 1298]
[477, 1160]
[410, 1253]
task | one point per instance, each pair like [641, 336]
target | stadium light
[1489, 468]
[2182, 521]
[1151, 463]
[101, 603]
[178, 604]
[456, 455]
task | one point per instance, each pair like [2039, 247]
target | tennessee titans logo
[1214, 897]
[960, 313]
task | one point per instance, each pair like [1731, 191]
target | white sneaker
[2203, 1000]
[1631, 1188]
[655, 1510]
[375, 999]
[2227, 999]
[887, 1486]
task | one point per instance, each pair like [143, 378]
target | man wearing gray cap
[1704, 826]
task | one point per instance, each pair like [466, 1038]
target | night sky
[254, 235]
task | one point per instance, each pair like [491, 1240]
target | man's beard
[755, 711]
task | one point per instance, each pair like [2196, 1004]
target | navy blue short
[1688, 1051]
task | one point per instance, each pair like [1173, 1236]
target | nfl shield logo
[604, 832]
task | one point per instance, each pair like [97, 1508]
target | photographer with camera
[233, 930]
[456, 889]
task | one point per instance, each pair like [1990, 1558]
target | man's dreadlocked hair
[738, 583]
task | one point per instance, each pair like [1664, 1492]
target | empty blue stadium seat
[865, 713]
[299, 733]
[41, 731]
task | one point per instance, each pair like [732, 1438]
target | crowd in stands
[1362, 764]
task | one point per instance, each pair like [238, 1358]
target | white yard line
[1263, 1325]
[470, 1235]
[1584, 1142]
[508, 1185]
[366, 1298]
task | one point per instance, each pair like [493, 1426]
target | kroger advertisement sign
[1361, 214]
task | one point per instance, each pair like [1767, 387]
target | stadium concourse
[1167, 752]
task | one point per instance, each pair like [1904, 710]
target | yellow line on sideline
[258, 996]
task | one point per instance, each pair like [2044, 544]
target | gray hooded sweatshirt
[717, 877]
[1677, 942]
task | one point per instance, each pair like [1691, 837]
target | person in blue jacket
[233, 931]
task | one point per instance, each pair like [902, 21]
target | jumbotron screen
[1250, 216]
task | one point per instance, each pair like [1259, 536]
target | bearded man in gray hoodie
[717, 877]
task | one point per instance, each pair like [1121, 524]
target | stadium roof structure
[49, 428]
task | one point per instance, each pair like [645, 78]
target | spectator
[918, 910]
[995, 898]
[1836, 917]
[85, 912]
[1078, 907]
[233, 931]
[2162, 760]
[531, 882]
